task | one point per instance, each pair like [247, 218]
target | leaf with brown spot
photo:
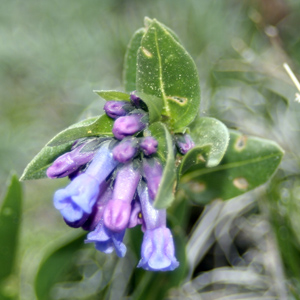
[240, 170]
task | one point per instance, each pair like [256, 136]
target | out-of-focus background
[53, 54]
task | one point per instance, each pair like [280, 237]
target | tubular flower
[158, 251]
[79, 197]
[152, 172]
[114, 181]
[117, 212]
[106, 240]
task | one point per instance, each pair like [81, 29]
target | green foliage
[165, 194]
[130, 64]
[62, 143]
[154, 106]
[248, 163]
[101, 126]
[113, 95]
[211, 138]
[10, 221]
[166, 71]
[55, 265]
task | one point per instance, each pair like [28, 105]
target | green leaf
[154, 105]
[248, 163]
[61, 143]
[113, 95]
[148, 22]
[165, 152]
[211, 139]
[166, 70]
[10, 221]
[37, 168]
[55, 265]
[130, 63]
[101, 126]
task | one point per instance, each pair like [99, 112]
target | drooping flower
[158, 251]
[76, 201]
[117, 212]
[128, 125]
[106, 240]
[184, 143]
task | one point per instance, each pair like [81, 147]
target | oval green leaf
[55, 265]
[113, 95]
[37, 168]
[166, 70]
[154, 105]
[165, 152]
[10, 221]
[211, 138]
[248, 163]
[130, 62]
[101, 126]
[61, 143]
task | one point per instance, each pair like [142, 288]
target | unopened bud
[184, 143]
[128, 125]
[126, 150]
[116, 109]
[149, 145]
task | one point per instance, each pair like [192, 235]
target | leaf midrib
[166, 108]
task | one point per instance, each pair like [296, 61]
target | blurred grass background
[54, 53]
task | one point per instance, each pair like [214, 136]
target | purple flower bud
[184, 143]
[149, 145]
[152, 172]
[106, 241]
[128, 125]
[116, 109]
[79, 197]
[126, 150]
[117, 212]
[135, 99]
[158, 251]
[69, 162]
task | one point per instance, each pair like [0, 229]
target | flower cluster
[114, 182]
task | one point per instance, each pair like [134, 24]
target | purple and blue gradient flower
[158, 251]
[113, 188]
[153, 171]
[76, 201]
[117, 212]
